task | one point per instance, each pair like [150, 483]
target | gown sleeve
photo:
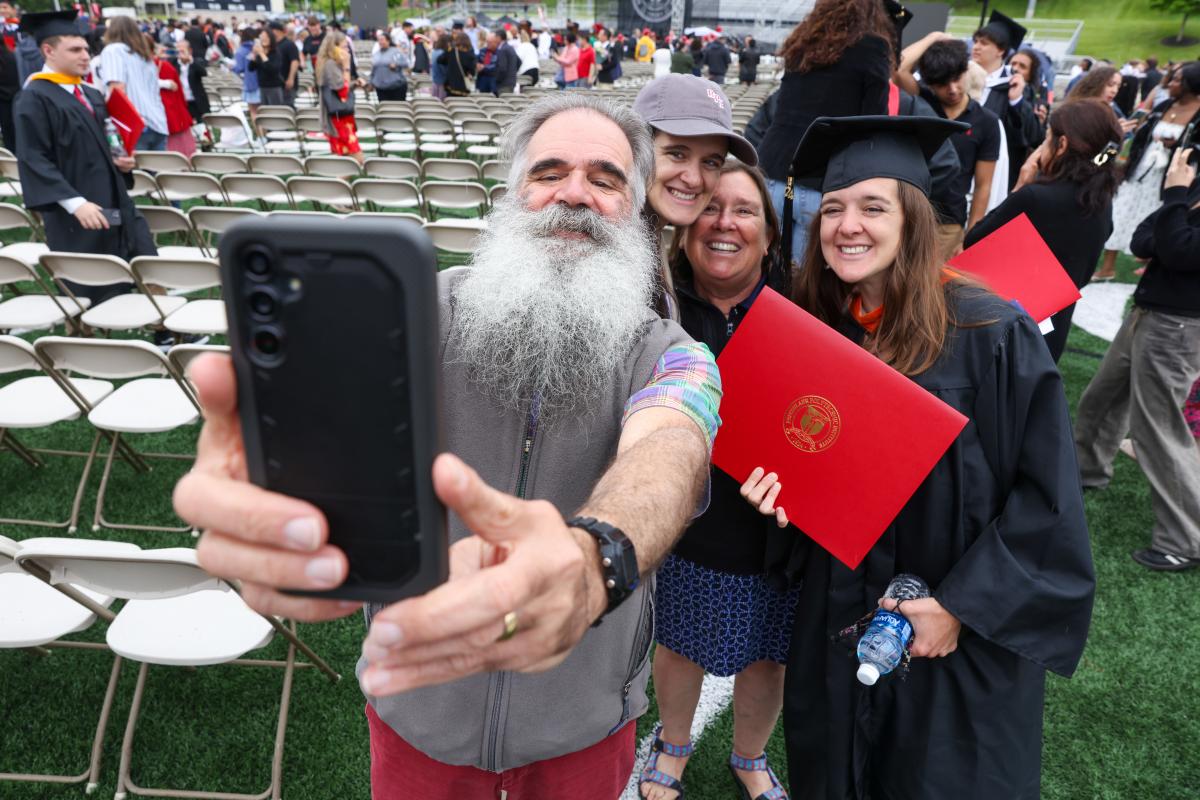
[42, 183]
[1027, 582]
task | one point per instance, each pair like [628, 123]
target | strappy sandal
[736, 762]
[651, 773]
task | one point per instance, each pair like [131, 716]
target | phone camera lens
[258, 264]
[268, 344]
[262, 304]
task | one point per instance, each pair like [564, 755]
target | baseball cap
[685, 105]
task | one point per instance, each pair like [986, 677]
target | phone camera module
[258, 264]
[267, 345]
[263, 304]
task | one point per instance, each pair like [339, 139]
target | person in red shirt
[587, 60]
[179, 119]
[9, 22]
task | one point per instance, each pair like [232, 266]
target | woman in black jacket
[1066, 190]
[459, 62]
[838, 62]
[748, 60]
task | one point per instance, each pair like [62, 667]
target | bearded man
[566, 393]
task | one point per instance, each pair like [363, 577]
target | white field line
[715, 696]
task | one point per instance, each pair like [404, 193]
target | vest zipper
[531, 426]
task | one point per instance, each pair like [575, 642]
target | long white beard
[542, 315]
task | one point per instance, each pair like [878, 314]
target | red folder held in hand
[850, 438]
[128, 121]
[1017, 264]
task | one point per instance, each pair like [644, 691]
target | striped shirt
[685, 379]
[119, 64]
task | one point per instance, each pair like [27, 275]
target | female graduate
[997, 529]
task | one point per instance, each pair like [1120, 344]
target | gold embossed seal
[812, 424]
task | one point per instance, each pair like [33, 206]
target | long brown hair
[123, 30]
[681, 267]
[912, 332]
[830, 28]
[1091, 130]
[1093, 83]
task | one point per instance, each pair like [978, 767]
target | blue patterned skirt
[720, 621]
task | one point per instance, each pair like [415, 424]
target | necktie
[79, 96]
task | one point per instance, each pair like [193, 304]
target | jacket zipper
[531, 426]
[640, 645]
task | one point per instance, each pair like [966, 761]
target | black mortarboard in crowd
[1004, 31]
[842, 151]
[42, 25]
[900, 15]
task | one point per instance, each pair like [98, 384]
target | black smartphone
[113, 215]
[333, 326]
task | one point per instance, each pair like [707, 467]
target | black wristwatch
[617, 560]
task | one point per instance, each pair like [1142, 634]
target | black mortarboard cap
[42, 25]
[842, 151]
[1004, 31]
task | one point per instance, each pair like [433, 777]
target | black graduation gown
[998, 531]
[62, 152]
[1023, 131]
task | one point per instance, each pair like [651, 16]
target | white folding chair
[144, 185]
[266, 190]
[176, 187]
[389, 215]
[496, 193]
[153, 399]
[16, 218]
[27, 311]
[342, 167]
[36, 616]
[279, 164]
[40, 401]
[379, 194]
[168, 219]
[480, 137]
[218, 163]
[10, 179]
[449, 169]
[175, 614]
[454, 195]
[161, 161]
[333, 192]
[494, 171]
[181, 357]
[121, 313]
[457, 237]
[211, 222]
[402, 169]
[186, 275]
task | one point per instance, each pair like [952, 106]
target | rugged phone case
[334, 331]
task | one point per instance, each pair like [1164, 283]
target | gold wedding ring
[510, 627]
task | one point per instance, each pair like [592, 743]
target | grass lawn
[1114, 29]
[1126, 726]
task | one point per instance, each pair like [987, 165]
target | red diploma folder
[128, 121]
[850, 438]
[1015, 263]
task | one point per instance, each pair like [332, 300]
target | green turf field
[1114, 29]
[1125, 727]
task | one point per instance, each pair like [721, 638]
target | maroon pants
[399, 771]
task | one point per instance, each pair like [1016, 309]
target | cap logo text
[716, 98]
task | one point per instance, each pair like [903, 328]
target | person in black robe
[64, 157]
[997, 528]
[1004, 92]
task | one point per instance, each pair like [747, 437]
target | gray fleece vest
[502, 720]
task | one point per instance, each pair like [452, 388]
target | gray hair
[520, 131]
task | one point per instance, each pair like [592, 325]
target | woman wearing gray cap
[693, 133]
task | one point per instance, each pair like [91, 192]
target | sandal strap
[673, 750]
[749, 764]
[662, 779]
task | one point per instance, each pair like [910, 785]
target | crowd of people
[581, 379]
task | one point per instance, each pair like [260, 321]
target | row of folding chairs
[272, 191]
[174, 614]
[47, 307]
[325, 166]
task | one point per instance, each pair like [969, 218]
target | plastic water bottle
[882, 646]
[115, 146]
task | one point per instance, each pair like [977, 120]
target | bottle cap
[868, 674]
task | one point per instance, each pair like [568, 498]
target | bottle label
[896, 623]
